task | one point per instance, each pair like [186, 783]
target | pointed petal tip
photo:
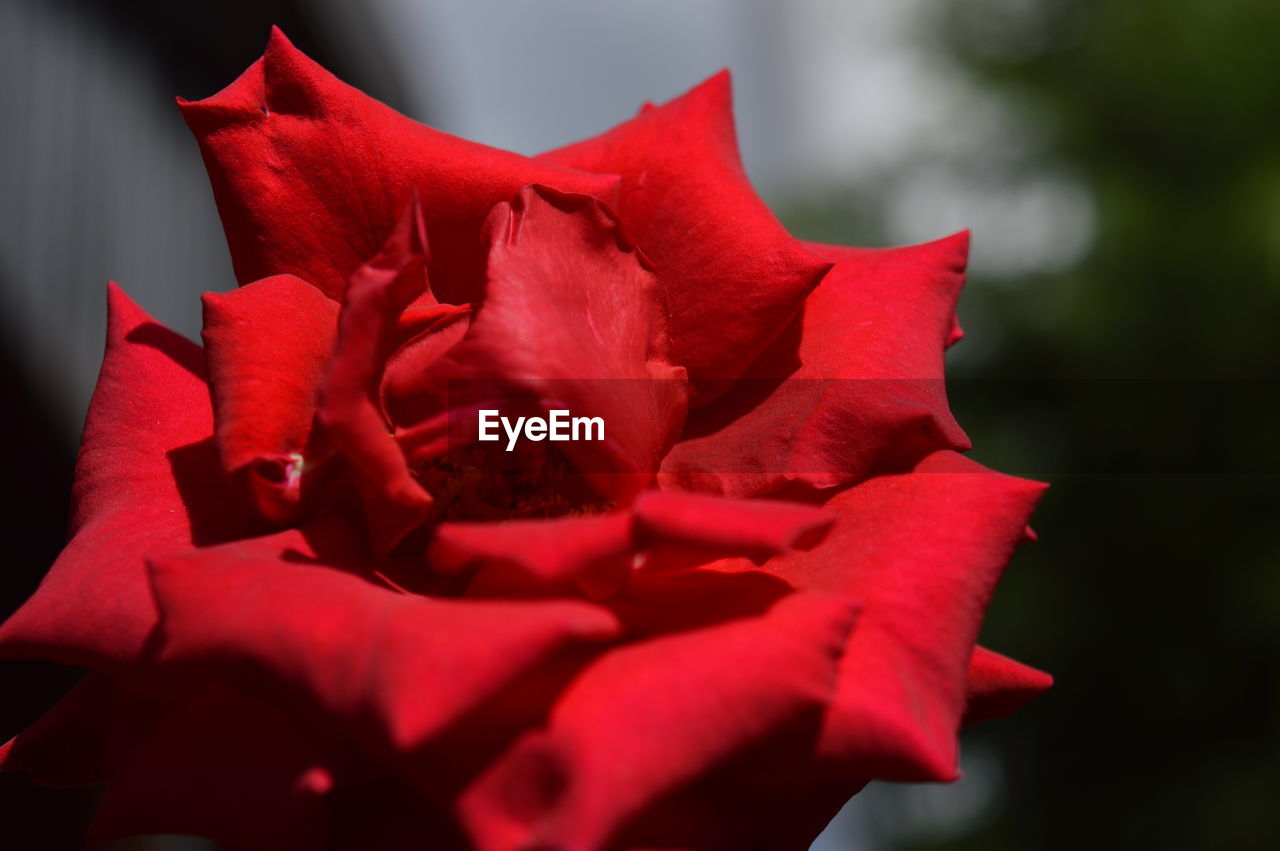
[281, 80]
[719, 84]
[419, 224]
[962, 239]
[998, 685]
[717, 87]
[293, 82]
[122, 311]
[408, 237]
[240, 100]
[280, 49]
[1036, 490]
[957, 246]
[276, 36]
[951, 253]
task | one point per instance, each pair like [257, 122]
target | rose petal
[210, 761]
[67, 746]
[592, 552]
[863, 384]
[734, 280]
[398, 668]
[573, 319]
[386, 814]
[922, 551]
[648, 719]
[379, 291]
[147, 478]
[267, 344]
[660, 531]
[729, 527]
[767, 799]
[402, 377]
[998, 685]
[309, 174]
[660, 603]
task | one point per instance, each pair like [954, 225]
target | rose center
[535, 481]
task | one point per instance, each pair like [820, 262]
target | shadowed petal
[662, 530]
[379, 292]
[863, 386]
[646, 720]
[922, 551]
[267, 345]
[67, 747]
[206, 760]
[147, 479]
[396, 668]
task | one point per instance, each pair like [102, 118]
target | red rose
[319, 614]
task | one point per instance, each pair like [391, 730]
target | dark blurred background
[1118, 163]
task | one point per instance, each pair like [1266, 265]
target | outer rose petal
[147, 479]
[733, 275]
[67, 746]
[210, 761]
[572, 318]
[309, 174]
[922, 551]
[399, 668]
[646, 720]
[863, 381]
[769, 799]
[386, 814]
[998, 685]
[380, 290]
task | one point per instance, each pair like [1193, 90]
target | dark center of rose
[474, 483]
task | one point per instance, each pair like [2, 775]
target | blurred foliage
[1145, 392]
[1167, 111]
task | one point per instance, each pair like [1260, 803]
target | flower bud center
[535, 481]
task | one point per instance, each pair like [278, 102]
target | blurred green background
[1119, 162]
[1140, 382]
